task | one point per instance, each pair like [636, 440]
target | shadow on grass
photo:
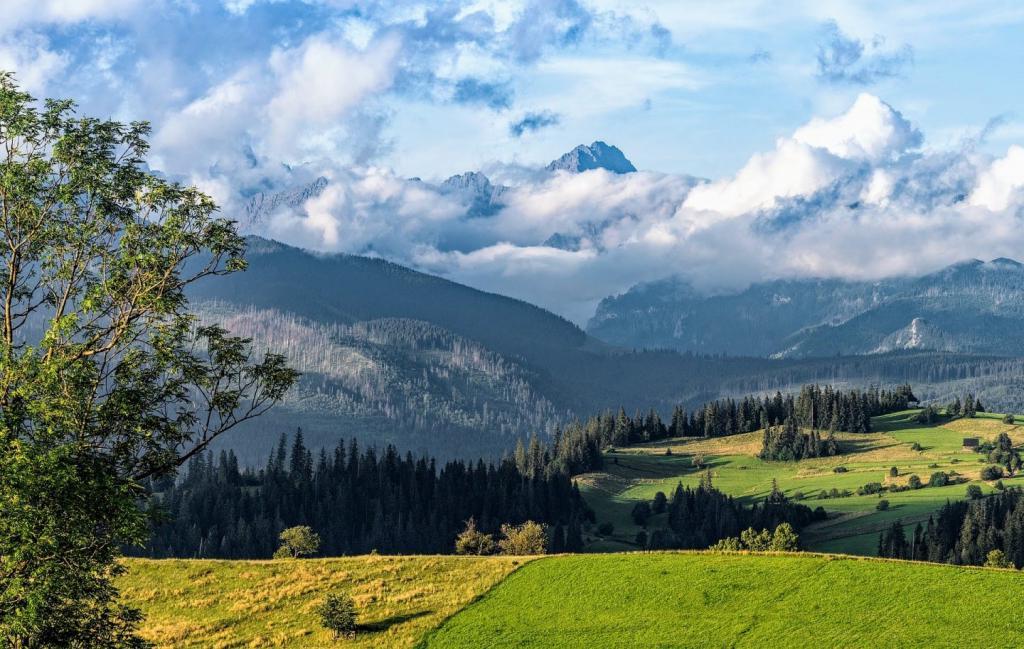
[388, 622]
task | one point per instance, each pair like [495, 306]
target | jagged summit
[598, 155]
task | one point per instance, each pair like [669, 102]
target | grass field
[200, 603]
[637, 473]
[708, 600]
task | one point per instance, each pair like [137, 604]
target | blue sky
[264, 95]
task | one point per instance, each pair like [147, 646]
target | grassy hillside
[707, 600]
[670, 599]
[270, 603]
[637, 473]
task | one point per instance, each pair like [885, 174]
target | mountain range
[392, 355]
[971, 307]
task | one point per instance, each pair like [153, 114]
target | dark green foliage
[1008, 418]
[938, 479]
[966, 532]
[606, 529]
[882, 505]
[914, 482]
[839, 469]
[641, 513]
[894, 472]
[893, 543]
[870, 488]
[338, 615]
[659, 503]
[991, 473]
[107, 378]
[356, 500]
[974, 492]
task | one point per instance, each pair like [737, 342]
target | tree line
[356, 500]
[579, 446]
[964, 532]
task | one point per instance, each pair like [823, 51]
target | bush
[882, 505]
[870, 488]
[914, 482]
[297, 542]
[894, 472]
[839, 469]
[938, 479]
[1000, 486]
[605, 529]
[992, 472]
[525, 539]
[997, 559]
[473, 541]
[784, 539]
[1008, 418]
[338, 615]
[916, 447]
[973, 492]
[799, 495]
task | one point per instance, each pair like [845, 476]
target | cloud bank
[851, 195]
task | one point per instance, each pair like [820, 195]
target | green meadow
[734, 600]
[636, 473]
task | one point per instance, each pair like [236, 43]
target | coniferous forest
[964, 532]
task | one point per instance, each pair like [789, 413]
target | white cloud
[1000, 184]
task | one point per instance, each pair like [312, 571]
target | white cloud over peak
[871, 130]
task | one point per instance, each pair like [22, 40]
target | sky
[800, 139]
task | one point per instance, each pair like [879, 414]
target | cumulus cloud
[852, 195]
[846, 60]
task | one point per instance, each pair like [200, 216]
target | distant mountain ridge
[969, 307]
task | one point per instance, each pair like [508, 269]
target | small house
[971, 443]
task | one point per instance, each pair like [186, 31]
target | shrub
[914, 482]
[916, 447]
[668, 451]
[799, 495]
[297, 542]
[894, 472]
[473, 541]
[528, 538]
[730, 544]
[757, 541]
[1008, 418]
[997, 559]
[882, 505]
[955, 460]
[338, 614]
[839, 469]
[605, 529]
[973, 492]
[784, 539]
[938, 479]
[1000, 486]
[992, 472]
[870, 488]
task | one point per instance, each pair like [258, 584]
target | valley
[635, 474]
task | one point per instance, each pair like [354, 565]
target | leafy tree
[973, 492]
[106, 379]
[997, 559]
[914, 482]
[991, 472]
[882, 505]
[473, 541]
[298, 541]
[659, 503]
[894, 472]
[784, 539]
[756, 541]
[338, 615]
[528, 538]
[1008, 418]
[938, 479]
[641, 512]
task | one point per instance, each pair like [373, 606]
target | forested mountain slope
[971, 307]
[391, 355]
